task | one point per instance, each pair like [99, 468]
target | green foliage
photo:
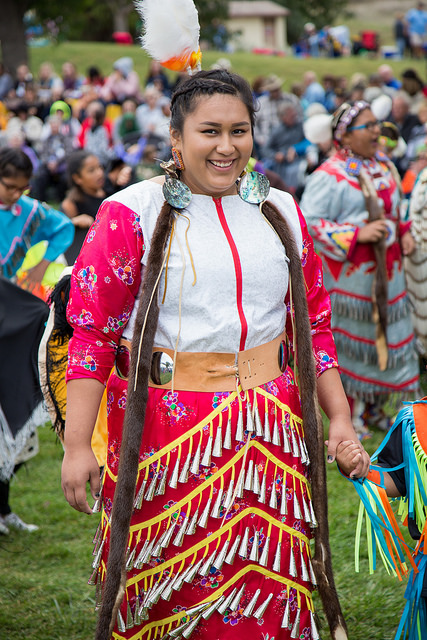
[320, 12]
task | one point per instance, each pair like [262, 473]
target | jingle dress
[334, 207]
[212, 553]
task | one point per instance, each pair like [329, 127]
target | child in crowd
[24, 222]
[86, 178]
[399, 471]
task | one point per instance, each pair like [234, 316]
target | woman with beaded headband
[196, 290]
[351, 204]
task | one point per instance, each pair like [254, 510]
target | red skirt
[219, 542]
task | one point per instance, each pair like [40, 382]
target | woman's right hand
[78, 468]
[373, 231]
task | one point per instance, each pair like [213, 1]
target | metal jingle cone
[177, 632]
[314, 631]
[295, 628]
[286, 443]
[121, 626]
[206, 566]
[145, 555]
[226, 603]
[228, 501]
[227, 437]
[189, 577]
[295, 448]
[247, 612]
[215, 513]
[193, 523]
[195, 465]
[156, 549]
[98, 595]
[94, 577]
[292, 564]
[136, 616]
[264, 555]
[285, 619]
[312, 574]
[255, 483]
[179, 538]
[97, 560]
[276, 434]
[155, 596]
[140, 495]
[304, 446]
[183, 476]
[129, 617]
[253, 556]
[149, 494]
[166, 540]
[161, 487]
[203, 520]
[302, 450]
[239, 429]
[232, 553]
[191, 627]
[263, 489]
[219, 561]
[277, 558]
[262, 607]
[249, 418]
[214, 606]
[234, 604]
[304, 571]
[206, 459]
[267, 432]
[97, 545]
[143, 613]
[167, 591]
[314, 522]
[197, 609]
[130, 559]
[284, 501]
[173, 480]
[305, 509]
[97, 505]
[217, 447]
[98, 536]
[243, 550]
[273, 497]
[240, 483]
[258, 426]
[297, 508]
[249, 476]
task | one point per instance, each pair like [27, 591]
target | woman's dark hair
[75, 163]
[208, 83]
[14, 162]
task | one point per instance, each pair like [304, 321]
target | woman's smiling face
[215, 143]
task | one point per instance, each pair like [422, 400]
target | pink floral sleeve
[319, 305]
[104, 285]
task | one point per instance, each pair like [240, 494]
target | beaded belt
[210, 371]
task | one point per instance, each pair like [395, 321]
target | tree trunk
[120, 10]
[12, 34]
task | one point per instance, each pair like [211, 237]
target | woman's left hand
[408, 244]
[342, 430]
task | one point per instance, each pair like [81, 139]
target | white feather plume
[171, 27]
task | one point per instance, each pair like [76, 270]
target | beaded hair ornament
[344, 116]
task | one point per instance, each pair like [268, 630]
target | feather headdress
[171, 33]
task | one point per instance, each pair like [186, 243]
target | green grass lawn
[291, 69]
[43, 576]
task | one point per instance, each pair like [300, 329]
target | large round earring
[253, 187]
[177, 158]
[175, 192]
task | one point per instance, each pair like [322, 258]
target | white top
[240, 281]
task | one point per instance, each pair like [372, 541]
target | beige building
[261, 23]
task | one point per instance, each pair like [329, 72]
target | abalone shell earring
[253, 187]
